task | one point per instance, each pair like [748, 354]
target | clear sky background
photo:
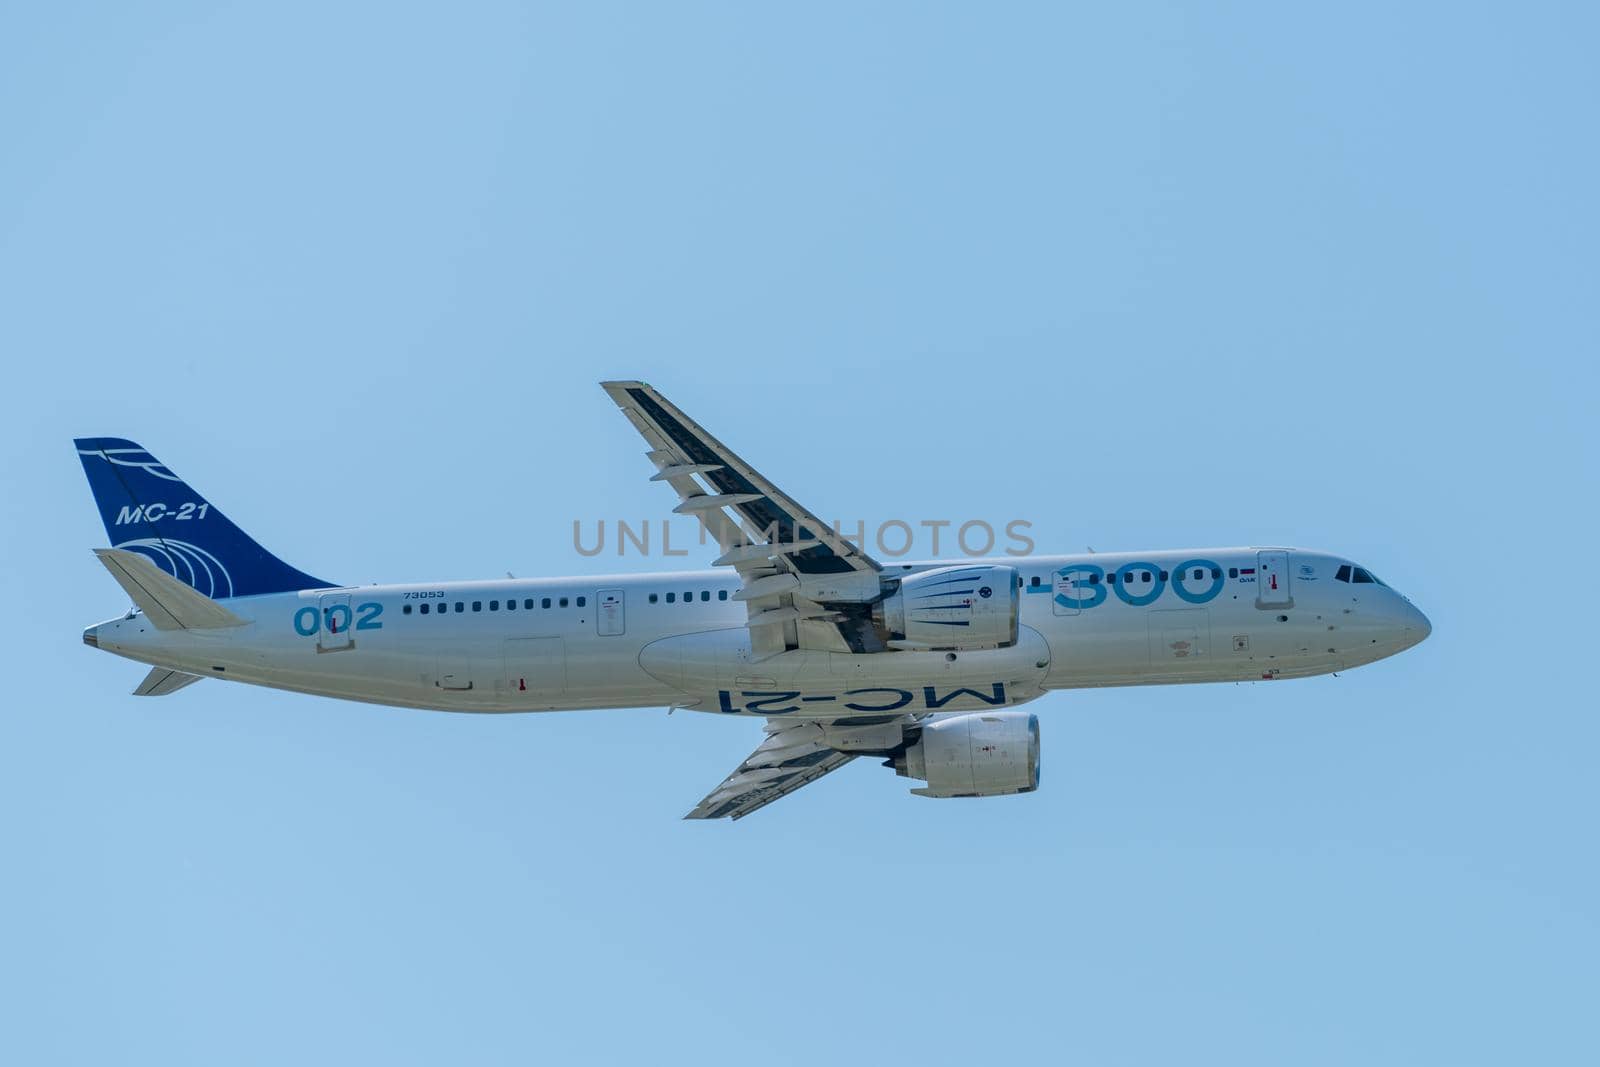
[1145, 275]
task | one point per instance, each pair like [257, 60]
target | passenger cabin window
[406, 610]
[545, 603]
[672, 598]
[477, 605]
[494, 605]
[527, 605]
[653, 598]
[705, 594]
[563, 601]
[1034, 581]
[722, 594]
[460, 607]
[424, 609]
[582, 601]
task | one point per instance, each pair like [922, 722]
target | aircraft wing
[791, 563]
[792, 755]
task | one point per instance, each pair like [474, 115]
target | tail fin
[148, 509]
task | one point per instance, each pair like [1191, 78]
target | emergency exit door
[609, 621]
[1066, 593]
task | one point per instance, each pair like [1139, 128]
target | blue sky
[1147, 276]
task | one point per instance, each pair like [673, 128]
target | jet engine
[987, 754]
[956, 608]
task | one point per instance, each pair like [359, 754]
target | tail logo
[157, 511]
[132, 457]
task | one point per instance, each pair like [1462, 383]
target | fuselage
[680, 639]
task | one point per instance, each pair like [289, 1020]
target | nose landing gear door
[1272, 580]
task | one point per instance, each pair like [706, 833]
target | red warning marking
[522, 683]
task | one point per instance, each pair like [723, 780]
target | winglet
[168, 603]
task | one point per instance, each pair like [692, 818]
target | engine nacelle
[988, 754]
[957, 608]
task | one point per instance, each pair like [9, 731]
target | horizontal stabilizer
[168, 603]
[161, 681]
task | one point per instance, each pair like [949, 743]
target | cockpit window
[1358, 575]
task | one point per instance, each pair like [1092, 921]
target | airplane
[921, 665]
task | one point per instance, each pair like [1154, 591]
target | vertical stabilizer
[150, 510]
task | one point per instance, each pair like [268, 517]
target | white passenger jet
[921, 665]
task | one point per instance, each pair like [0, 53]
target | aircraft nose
[1414, 624]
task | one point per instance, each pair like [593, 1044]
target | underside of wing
[792, 755]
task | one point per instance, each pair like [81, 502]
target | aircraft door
[1064, 597]
[1181, 635]
[609, 620]
[536, 665]
[455, 670]
[333, 635]
[1272, 580]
